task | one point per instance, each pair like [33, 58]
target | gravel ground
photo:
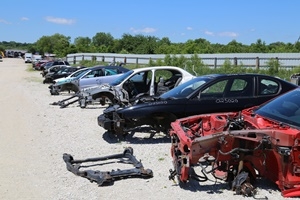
[35, 135]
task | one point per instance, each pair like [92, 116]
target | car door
[91, 78]
[223, 95]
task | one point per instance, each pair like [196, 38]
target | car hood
[143, 104]
[62, 81]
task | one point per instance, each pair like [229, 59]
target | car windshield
[79, 73]
[121, 78]
[284, 109]
[186, 88]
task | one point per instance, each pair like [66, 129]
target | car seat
[161, 88]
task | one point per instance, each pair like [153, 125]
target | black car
[204, 94]
[49, 66]
[64, 71]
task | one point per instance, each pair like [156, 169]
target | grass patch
[30, 69]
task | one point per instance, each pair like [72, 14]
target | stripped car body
[204, 94]
[262, 141]
[136, 83]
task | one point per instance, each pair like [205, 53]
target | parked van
[28, 57]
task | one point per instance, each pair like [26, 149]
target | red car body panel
[262, 147]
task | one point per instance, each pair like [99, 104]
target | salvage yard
[35, 135]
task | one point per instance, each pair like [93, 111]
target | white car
[136, 83]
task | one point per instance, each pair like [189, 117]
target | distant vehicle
[1, 58]
[28, 57]
[38, 65]
[45, 68]
[36, 58]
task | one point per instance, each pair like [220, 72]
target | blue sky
[218, 21]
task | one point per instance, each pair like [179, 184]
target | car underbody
[238, 149]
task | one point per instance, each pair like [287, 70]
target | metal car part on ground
[108, 177]
[134, 84]
[204, 94]
[262, 141]
[86, 78]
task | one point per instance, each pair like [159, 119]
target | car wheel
[52, 92]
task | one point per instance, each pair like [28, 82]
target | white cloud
[24, 19]
[228, 34]
[189, 28]
[209, 33]
[4, 21]
[144, 30]
[60, 20]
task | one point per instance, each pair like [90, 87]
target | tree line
[61, 45]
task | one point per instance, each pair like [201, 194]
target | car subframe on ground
[241, 147]
[204, 94]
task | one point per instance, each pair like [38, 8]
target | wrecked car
[240, 147]
[64, 71]
[136, 83]
[86, 78]
[204, 94]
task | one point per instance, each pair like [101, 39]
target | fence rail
[287, 60]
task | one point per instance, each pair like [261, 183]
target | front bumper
[105, 122]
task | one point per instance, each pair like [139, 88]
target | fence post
[257, 63]
[125, 60]
[74, 60]
[82, 59]
[235, 61]
[103, 59]
[137, 62]
[215, 63]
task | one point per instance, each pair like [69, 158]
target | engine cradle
[108, 177]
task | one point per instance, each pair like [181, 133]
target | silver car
[86, 78]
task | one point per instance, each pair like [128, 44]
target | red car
[262, 141]
[38, 65]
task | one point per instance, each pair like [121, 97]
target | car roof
[107, 66]
[160, 67]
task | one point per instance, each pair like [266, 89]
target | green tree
[83, 44]
[57, 44]
[103, 41]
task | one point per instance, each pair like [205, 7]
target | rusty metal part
[108, 177]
